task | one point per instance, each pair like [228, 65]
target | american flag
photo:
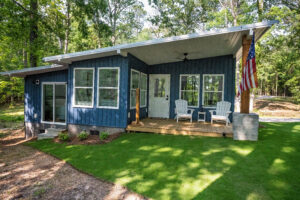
[249, 76]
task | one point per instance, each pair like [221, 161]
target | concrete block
[245, 126]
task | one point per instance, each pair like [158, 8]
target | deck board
[169, 126]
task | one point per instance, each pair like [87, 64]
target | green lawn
[183, 167]
[12, 113]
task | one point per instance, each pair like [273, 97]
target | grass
[183, 167]
[12, 113]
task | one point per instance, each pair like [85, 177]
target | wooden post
[245, 96]
[137, 106]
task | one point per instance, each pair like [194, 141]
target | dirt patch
[92, 139]
[273, 108]
[26, 173]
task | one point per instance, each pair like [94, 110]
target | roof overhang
[34, 70]
[217, 42]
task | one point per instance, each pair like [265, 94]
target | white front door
[159, 95]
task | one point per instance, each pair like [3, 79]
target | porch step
[50, 133]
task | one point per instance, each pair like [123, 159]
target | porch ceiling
[218, 42]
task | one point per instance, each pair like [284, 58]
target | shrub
[103, 135]
[63, 137]
[83, 135]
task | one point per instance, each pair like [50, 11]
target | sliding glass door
[54, 102]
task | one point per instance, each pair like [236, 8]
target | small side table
[201, 119]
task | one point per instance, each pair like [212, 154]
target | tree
[181, 17]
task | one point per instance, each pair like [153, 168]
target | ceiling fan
[185, 58]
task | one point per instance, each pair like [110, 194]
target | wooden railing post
[245, 96]
[137, 106]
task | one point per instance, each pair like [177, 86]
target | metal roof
[34, 70]
[217, 42]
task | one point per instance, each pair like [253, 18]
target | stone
[245, 126]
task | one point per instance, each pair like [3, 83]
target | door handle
[167, 97]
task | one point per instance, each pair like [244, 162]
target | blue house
[95, 89]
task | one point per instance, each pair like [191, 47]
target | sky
[150, 12]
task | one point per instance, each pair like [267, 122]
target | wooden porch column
[137, 106]
[245, 96]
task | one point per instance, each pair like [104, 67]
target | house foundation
[245, 126]
[75, 129]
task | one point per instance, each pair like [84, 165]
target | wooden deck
[169, 126]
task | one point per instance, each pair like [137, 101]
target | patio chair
[182, 110]
[222, 112]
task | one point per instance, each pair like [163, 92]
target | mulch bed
[92, 139]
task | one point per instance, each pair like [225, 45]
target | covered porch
[170, 126]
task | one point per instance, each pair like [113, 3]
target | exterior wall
[216, 65]
[33, 93]
[135, 63]
[102, 117]
[33, 100]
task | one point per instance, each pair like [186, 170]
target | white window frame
[118, 88]
[42, 102]
[203, 91]
[181, 75]
[74, 87]
[143, 106]
[133, 70]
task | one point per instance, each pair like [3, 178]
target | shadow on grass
[184, 167]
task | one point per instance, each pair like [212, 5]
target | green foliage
[183, 167]
[63, 137]
[103, 135]
[83, 135]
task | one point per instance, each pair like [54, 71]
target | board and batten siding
[94, 116]
[33, 93]
[215, 65]
[137, 64]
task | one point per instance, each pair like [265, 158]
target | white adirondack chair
[222, 112]
[182, 110]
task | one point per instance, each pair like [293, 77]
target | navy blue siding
[33, 92]
[100, 116]
[216, 65]
[135, 63]
[118, 117]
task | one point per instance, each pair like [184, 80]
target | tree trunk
[33, 32]
[25, 58]
[276, 84]
[260, 8]
[68, 27]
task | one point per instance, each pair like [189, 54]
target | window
[138, 80]
[213, 89]
[83, 87]
[54, 103]
[159, 87]
[143, 94]
[108, 87]
[189, 89]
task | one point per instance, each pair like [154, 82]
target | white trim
[118, 88]
[73, 96]
[145, 90]
[133, 70]
[42, 102]
[190, 90]
[223, 89]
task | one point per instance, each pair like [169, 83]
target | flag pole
[245, 96]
